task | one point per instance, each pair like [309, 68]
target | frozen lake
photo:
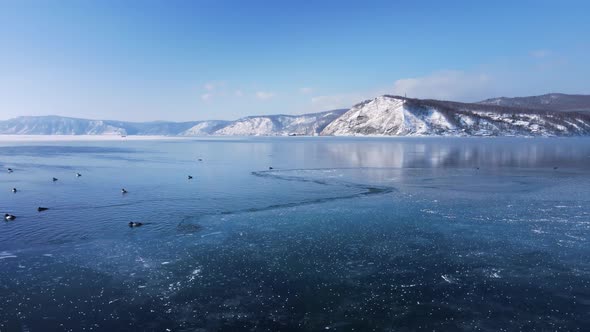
[342, 234]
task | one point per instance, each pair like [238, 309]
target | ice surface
[436, 234]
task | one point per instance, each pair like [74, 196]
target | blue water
[342, 234]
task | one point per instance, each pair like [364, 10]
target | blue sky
[196, 60]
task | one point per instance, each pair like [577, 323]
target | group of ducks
[10, 217]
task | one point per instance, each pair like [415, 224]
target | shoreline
[115, 138]
[71, 138]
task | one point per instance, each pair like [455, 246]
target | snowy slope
[280, 125]
[161, 128]
[204, 128]
[399, 116]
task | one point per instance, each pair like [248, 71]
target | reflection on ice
[461, 153]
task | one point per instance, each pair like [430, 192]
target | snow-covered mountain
[271, 125]
[549, 102]
[281, 125]
[58, 125]
[547, 115]
[400, 116]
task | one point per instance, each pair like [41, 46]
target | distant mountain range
[547, 115]
[58, 125]
[548, 102]
[264, 125]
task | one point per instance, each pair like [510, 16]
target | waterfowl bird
[9, 170]
[123, 191]
[200, 159]
[135, 224]
[270, 168]
[190, 177]
[42, 209]
[78, 175]
[14, 190]
[54, 179]
[9, 216]
[555, 167]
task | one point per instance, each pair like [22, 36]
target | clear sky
[214, 59]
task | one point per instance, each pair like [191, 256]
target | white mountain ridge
[547, 115]
[58, 125]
